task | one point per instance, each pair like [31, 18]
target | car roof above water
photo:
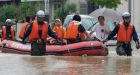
[82, 16]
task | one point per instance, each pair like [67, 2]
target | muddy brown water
[13, 64]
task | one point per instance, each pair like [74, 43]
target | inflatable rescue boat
[90, 48]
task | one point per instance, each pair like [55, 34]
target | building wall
[78, 3]
[31, 0]
[123, 7]
[135, 12]
[5, 0]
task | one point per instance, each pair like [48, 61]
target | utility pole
[129, 6]
[47, 9]
[62, 10]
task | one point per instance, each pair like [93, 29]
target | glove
[59, 41]
[104, 41]
[4, 45]
[23, 42]
[137, 45]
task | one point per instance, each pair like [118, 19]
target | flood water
[11, 64]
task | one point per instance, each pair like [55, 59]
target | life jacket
[123, 34]
[34, 35]
[23, 29]
[4, 32]
[60, 31]
[72, 30]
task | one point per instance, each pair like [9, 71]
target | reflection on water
[53, 65]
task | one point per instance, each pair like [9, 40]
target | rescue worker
[102, 30]
[24, 27]
[75, 29]
[8, 32]
[59, 30]
[37, 33]
[125, 31]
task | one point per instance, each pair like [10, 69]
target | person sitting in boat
[59, 30]
[75, 29]
[8, 32]
[102, 30]
[37, 33]
[24, 27]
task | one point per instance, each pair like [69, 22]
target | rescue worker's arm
[27, 32]
[81, 29]
[91, 32]
[113, 33]
[135, 38]
[51, 33]
[93, 29]
[134, 34]
[87, 35]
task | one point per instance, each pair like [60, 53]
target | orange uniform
[23, 29]
[123, 34]
[60, 31]
[4, 32]
[34, 33]
[72, 31]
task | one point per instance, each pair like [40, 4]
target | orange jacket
[123, 34]
[60, 31]
[35, 28]
[72, 31]
[4, 33]
[23, 29]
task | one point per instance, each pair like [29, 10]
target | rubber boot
[35, 49]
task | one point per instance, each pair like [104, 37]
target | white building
[135, 12]
[123, 7]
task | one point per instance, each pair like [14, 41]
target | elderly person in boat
[59, 30]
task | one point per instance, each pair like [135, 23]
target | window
[83, 8]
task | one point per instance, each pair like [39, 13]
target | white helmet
[126, 14]
[8, 21]
[40, 13]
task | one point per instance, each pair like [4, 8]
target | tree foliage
[68, 8]
[7, 11]
[18, 12]
[106, 3]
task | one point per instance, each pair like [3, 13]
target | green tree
[68, 8]
[7, 11]
[26, 9]
[106, 3]
[19, 12]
